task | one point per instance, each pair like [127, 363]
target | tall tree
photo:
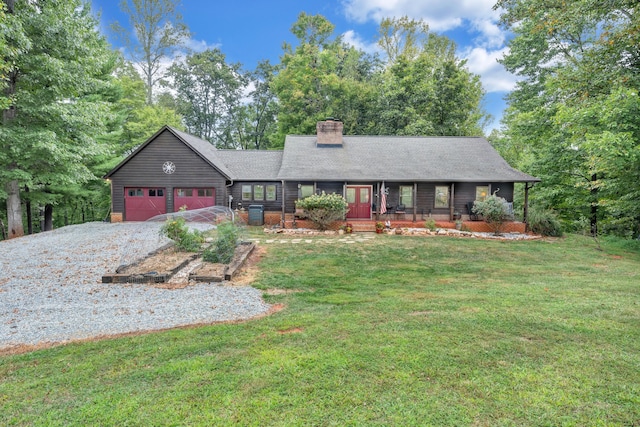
[159, 34]
[576, 108]
[256, 123]
[208, 95]
[402, 37]
[321, 77]
[137, 120]
[425, 89]
[53, 92]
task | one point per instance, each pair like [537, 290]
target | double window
[259, 192]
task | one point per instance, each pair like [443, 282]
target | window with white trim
[442, 196]
[482, 191]
[247, 194]
[258, 192]
[406, 196]
[271, 193]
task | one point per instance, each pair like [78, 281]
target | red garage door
[141, 204]
[194, 198]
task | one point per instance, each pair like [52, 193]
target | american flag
[383, 200]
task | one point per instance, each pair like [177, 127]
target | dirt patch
[166, 261]
[291, 331]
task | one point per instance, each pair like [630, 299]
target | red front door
[193, 198]
[359, 200]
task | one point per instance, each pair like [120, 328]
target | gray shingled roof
[392, 158]
[249, 165]
[252, 165]
[360, 158]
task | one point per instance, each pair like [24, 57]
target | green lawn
[399, 331]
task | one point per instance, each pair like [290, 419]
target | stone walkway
[350, 239]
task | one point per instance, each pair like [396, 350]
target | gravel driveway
[51, 290]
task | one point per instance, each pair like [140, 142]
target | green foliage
[61, 94]
[258, 119]
[186, 240]
[323, 209]
[430, 224]
[494, 212]
[322, 77]
[208, 95]
[225, 245]
[424, 89]
[544, 222]
[572, 120]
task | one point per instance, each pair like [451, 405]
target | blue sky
[247, 31]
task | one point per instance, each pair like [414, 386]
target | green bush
[323, 209]
[544, 222]
[494, 211]
[225, 246]
[176, 229]
[430, 224]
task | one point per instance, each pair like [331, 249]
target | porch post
[525, 213]
[415, 200]
[451, 208]
[378, 200]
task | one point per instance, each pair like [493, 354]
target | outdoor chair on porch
[399, 210]
[472, 216]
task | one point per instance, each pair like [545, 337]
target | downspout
[226, 196]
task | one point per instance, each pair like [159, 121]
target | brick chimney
[329, 133]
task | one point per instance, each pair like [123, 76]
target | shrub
[430, 224]
[544, 222]
[225, 246]
[176, 229]
[494, 211]
[323, 209]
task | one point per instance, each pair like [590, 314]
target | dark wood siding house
[420, 176]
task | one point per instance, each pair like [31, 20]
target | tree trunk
[14, 210]
[27, 207]
[48, 217]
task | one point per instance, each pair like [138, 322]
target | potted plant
[379, 227]
[348, 228]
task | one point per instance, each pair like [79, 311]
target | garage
[144, 203]
[194, 198]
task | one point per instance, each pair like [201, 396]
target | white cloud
[353, 39]
[441, 15]
[200, 45]
[485, 63]
[491, 36]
